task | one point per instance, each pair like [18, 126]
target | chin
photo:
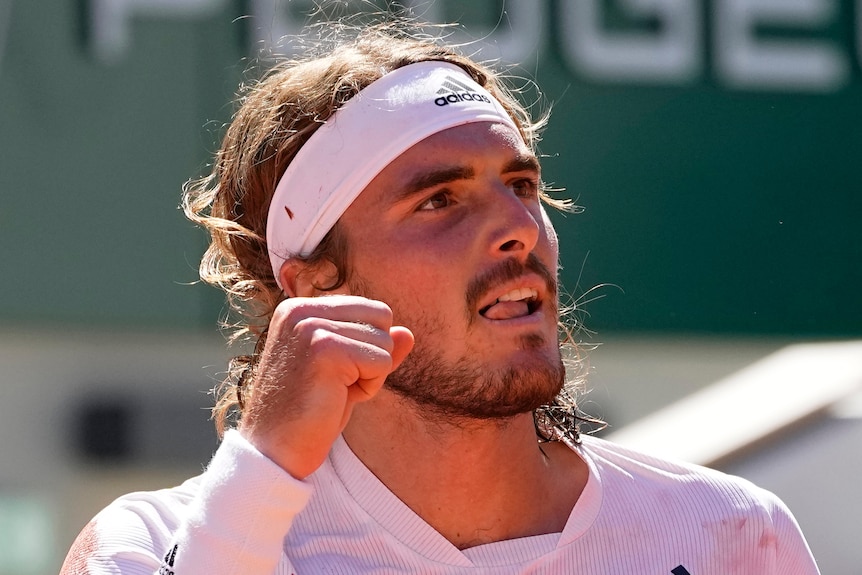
[468, 389]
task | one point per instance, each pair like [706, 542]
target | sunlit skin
[443, 232]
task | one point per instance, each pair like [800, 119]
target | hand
[323, 355]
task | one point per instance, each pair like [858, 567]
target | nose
[515, 228]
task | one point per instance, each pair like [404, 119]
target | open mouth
[519, 302]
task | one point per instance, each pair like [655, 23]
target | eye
[437, 201]
[526, 188]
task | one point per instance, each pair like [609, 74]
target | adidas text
[454, 97]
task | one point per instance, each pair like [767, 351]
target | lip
[530, 281]
[537, 320]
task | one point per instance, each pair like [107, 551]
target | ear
[287, 276]
[298, 279]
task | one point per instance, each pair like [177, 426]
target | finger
[336, 307]
[350, 331]
[348, 358]
[402, 344]
[366, 387]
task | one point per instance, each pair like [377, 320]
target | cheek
[427, 289]
[409, 282]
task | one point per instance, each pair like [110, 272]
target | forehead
[463, 150]
[480, 138]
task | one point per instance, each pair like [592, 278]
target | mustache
[508, 270]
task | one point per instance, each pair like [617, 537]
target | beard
[443, 389]
[467, 388]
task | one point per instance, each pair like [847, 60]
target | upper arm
[129, 537]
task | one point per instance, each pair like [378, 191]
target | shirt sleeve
[792, 553]
[233, 520]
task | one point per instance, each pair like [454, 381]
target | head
[276, 117]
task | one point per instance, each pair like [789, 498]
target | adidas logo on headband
[457, 91]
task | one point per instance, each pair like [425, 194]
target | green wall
[713, 204]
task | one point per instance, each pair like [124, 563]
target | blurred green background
[715, 148]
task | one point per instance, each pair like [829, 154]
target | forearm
[235, 522]
[244, 509]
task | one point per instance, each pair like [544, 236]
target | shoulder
[716, 514]
[629, 474]
[134, 529]
[162, 509]
[618, 461]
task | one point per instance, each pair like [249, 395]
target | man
[377, 218]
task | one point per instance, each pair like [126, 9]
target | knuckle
[377, 358]
[382, 314]
[287, 314]
[314, 334]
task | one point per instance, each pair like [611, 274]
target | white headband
[358, 141]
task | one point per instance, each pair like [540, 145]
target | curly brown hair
[277, 114]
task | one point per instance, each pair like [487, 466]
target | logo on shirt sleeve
[168, 564]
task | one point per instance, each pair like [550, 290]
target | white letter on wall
[110, 20]
[270, 25]
[859, 30]
[514, 38]
[670, 55]
[743, 61]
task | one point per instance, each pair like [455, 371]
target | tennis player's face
[453, 237]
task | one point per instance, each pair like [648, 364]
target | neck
[473, 481]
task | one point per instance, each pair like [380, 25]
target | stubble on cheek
[532, 341]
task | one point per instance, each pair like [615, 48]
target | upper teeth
[519, 294]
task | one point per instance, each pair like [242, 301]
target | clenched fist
[322, 356]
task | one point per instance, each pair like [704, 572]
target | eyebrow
[433, 178]
[425, 180]
[523, 163]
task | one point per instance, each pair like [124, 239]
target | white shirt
[637, 515]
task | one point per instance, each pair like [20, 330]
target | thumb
[403, 340]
